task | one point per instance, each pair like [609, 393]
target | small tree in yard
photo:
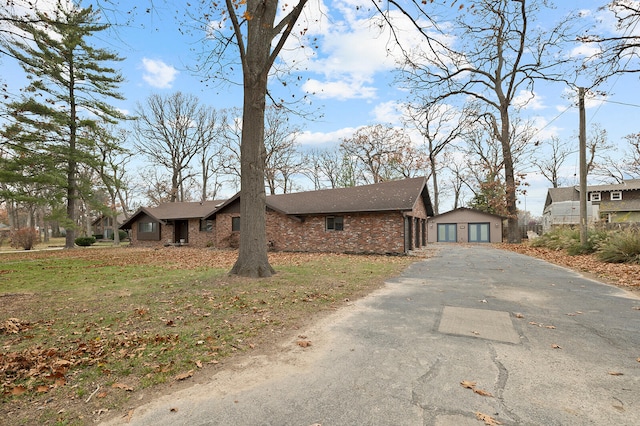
[25, 238]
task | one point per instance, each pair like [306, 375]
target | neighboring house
[103, 225]
[465, 225]
[616, 203]
[173, 224]
[388, 217]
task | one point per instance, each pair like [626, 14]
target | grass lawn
[83, 331]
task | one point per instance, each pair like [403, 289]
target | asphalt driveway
[532, 343]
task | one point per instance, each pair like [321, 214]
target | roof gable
[467, 209]
[175, 211]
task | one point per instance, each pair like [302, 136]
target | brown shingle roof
[396, 195]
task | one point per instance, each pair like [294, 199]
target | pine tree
[66, 99]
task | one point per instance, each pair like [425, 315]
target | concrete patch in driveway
[481, 323]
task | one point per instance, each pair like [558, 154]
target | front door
[447, 233]
[181, 231]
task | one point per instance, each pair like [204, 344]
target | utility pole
[583, 168]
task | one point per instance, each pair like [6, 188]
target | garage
[465, 225]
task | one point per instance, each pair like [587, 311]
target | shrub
[558, 239]
[568, 239]
[621, 247]
[85, 241]
[25, 238]
[594, 239]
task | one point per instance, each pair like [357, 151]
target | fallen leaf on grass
[42, 389]
[184, 376]
[554, 346]
[519, 315]
[615, 373]
[487, 419]
[122, 386]
[199, 364]
[18, 390]
[304, 343]
[550, 327]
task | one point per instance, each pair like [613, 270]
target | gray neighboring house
[465, 225]
[615, 203]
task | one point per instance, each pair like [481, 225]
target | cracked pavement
[550, 346]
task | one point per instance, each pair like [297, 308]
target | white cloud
[388, 112]
[158, 74]
[319, 138]
[340, 89]
[526, 99]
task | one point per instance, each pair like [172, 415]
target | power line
[615, 102]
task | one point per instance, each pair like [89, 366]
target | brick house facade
[388, 217]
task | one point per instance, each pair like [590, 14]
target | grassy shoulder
[82, 331]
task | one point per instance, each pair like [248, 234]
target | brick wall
[362, 233]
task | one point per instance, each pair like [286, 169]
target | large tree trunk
[252, 256]
[513, 231]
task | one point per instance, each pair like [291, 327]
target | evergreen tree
[67, 99]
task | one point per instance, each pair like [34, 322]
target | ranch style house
[383, 218]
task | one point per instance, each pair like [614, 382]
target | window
[616, 195]
[335, 223]
[594, 196]
[206, 225]
[147, 227]
[235, 224]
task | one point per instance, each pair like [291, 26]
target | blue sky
[352, 77]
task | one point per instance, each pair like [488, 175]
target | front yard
[84, 331]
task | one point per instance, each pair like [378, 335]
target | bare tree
[632, 167]
[619, 50]
[550, 164]
[494, 56]
[171, 131]
[281, 157]
[440, 125]
[377, 149]
[323, 167]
